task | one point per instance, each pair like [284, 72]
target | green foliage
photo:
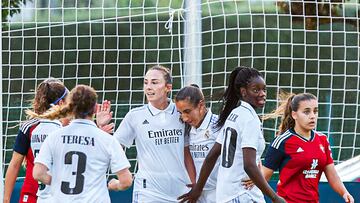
[9, 8]
[316, 12]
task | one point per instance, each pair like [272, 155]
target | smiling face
[306, 116]
[155, 87]
[190, 114]
[255, 92]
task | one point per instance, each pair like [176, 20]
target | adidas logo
[145, 122]
[299, 150]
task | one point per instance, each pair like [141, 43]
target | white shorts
[207, 196]
[44, 200]
[142, 197]
[245, 198]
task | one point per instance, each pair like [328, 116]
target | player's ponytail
[229, 99]
[56, 112]
[287, 121]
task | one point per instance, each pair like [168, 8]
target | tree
[9, 8]
[316, 12]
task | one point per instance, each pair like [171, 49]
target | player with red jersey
[300, 153]
[49, 92]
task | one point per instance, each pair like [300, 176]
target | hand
[109, 128]
[191, 197]
[348, 198]
[247, 183]
[113, 184]
[103, 113]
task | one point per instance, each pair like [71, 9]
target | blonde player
[79, 154]
[159, 138]
[201, 133]
[32, 134]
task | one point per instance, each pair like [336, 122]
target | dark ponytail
[229, 99]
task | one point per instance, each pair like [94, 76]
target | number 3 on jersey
[229, 147]
[79, 181]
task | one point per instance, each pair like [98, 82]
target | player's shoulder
[138, 110]
[281, 139]
[320, 134]
[246, 108]
[26, 125]
[323, 137]
[104, 140]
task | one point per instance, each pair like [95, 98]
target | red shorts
[27, 198]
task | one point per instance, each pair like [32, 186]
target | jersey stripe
[277, 142]
[245, 107]
[27, 124]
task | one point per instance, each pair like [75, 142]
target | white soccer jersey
[242, 129]
[78, 156]
[201, 141]
[159, 139]
[39, 134]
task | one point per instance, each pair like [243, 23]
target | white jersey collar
[84, 121]
[169, 109]
[56, 122]
[247, 105]
[206, 122]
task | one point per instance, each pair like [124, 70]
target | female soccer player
[32, 134]
[159, 138]
[201, 132]
[29, 139]
[300, 153]
[79, 154]
[240, 143]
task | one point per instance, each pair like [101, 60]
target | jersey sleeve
[125, 134]
[118, 158]
[22, 142]
[274, 157]
[45, 154]
[250, 134]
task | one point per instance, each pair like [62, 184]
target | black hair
[193, 95]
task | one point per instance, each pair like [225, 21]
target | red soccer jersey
[301, 163]
[22, 146]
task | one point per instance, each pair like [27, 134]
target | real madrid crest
[207, 133]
